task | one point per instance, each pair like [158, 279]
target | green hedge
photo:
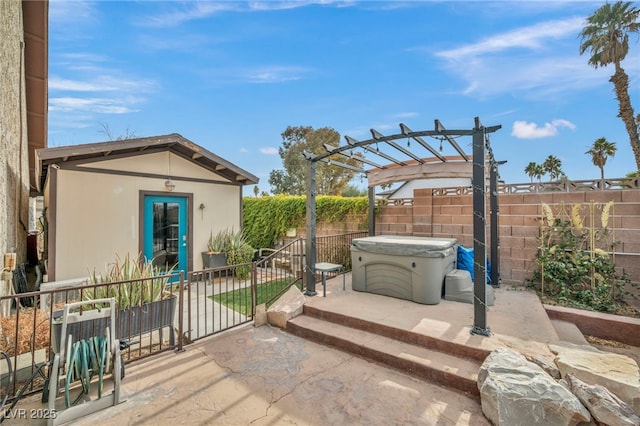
[267, 219]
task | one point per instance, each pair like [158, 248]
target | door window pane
[165, 233]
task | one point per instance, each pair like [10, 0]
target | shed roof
[173, 142]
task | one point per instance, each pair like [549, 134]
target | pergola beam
[454, 144]
[377, 135]
[407, 131]
[351, 141]
[331, 148]
[343, 165]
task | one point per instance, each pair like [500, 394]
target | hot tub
[412, 268]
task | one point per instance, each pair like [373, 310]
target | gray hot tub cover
[399, 245]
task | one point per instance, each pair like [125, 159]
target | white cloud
[406, 115]
[194, 10]
[540, 60]
[104, 83]
[64, 12]
[269, 151]
[526, 130]
[275, 74]
[56, 83]
[200, 10]
[97, 105]
[533, 37]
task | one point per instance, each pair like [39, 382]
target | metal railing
[193, 306]
[337, 249]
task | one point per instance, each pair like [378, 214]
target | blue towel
[465, 262]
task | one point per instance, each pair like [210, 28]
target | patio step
[435, 366]
[429, 342]
[569, 332]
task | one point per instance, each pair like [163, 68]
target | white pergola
[410, 166]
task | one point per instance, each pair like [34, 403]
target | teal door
[165, 231]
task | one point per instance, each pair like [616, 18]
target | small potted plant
[228, 247]
[217, 248]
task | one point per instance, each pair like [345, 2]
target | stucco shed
[160, 194]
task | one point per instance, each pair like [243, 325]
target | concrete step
[569, 332]
[429, 342]
[437, 367]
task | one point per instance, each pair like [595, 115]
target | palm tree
[530, 170]
[534, 170]
[553, 166]
[600, 151]
[539, 172]
[606, 37]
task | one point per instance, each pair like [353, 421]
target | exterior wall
[450, 216]
[159, 163]
[14, 166]
[97, 215]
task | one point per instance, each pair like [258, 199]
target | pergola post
[310, 243]
[372, 211]
[495, 235]
[479, 232]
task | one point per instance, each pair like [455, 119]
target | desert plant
[573, 269]
[233, 244]
[135, 282]
[218, 242]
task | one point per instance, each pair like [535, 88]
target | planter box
[213, 260]
[131, 322]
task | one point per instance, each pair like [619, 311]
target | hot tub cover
[400, 245]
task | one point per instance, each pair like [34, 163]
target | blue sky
[231, 76]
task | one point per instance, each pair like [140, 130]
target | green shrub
[267, 219]
[235, 246]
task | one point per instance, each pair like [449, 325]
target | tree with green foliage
[600, 151]
[330, 179]
[606, 37]
[553, 166]
[534, 170]
[353, 191]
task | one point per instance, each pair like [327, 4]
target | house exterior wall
[159, 163]
[451, 216]
[14, 166]
[97, 213]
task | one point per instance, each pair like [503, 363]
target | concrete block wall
[519, 218]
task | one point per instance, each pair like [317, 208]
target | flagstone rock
[260, 318]
[289, 306]
[604, 406]
[515, 392]
[616, 372]
[548, 366]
